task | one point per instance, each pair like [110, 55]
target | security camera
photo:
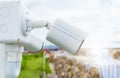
[15, 33]
[66, 36]
[15, 28]
[61, 33]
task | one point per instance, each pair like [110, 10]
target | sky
[99, 18]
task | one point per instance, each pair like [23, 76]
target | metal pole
[44, 65]
[14, 53]
[3, 61]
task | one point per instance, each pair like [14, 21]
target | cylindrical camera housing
[66, 36]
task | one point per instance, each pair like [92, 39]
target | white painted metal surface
[14, 58]
[3, 61]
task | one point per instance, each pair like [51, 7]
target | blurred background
[100, 18]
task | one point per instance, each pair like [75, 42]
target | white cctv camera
[15, 28]
[15, 32]
[66, 36]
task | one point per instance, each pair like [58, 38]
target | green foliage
[32, 66]
[29, 74]
[47, 67]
